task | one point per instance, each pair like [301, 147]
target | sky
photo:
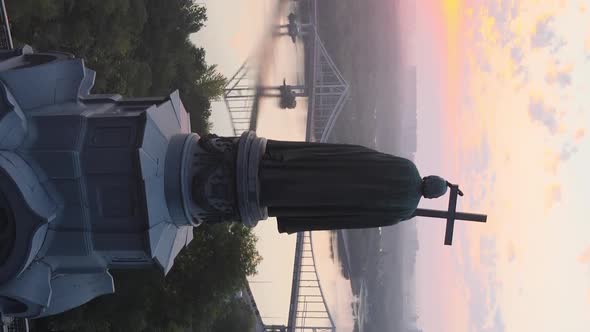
[503, 110]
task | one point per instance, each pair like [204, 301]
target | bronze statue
[319, 186]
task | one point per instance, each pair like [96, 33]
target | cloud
[516, 54]
[484, 65]
[483, 287]
[559, 75]
[544, 114]
[543, 35]
[584, 257]
[480, 158]
[552, 195]
[552, 161]
[497, 324]
[558, 45]
[567, 152]
[511, 252]
[503, 11]
[579, 135]
[562, 78]
[487, 250]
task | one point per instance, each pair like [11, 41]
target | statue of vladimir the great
[321, 186]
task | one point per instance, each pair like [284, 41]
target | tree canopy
[137, 47]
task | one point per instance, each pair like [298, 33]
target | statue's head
[433, 186]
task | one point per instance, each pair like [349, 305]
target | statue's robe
[318, 186]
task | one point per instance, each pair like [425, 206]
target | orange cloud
[584, 258]
[511, 252]
[552, 162]
[563, 4]
[559, 74]
[579, 134]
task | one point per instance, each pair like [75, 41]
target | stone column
[225, 184]
[250, 152]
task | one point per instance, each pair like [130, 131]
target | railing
[308, 310]
[330, 91]
[5, 34]
[16, 325]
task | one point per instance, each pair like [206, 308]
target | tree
[211, 83]
[137, 47]
[238, 317]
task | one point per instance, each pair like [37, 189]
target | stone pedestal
[94, 182]
[87, 183]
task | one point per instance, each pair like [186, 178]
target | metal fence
[14, 325]
[5, 35]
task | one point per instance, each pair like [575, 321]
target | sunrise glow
[515, 109]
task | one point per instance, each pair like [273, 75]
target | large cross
[451, 215]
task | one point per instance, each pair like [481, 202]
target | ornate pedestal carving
[225, 186]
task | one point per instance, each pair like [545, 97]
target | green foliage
[137, 47]
[211, 83]
[238, 317]
[197, 293]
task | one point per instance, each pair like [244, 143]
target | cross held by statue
[451, 215]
